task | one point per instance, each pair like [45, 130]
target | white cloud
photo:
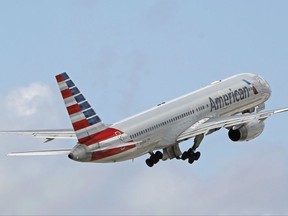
[26, 101]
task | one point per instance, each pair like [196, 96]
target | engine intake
[247, 132]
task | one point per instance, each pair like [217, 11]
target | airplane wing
[47, 134]
[207, 125]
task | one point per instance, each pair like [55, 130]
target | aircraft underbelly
[170, 136]
[122, 156]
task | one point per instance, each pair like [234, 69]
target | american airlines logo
[231, 97]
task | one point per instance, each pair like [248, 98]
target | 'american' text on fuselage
[229, 98]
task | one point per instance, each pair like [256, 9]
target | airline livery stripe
[62, 86]
[100, 136]
[66, 93]
[82, 133]
[93, 129]
[73, 109]
[77, 117]
[110, 152]
[76, 108]
[80, 124]
[69, 101]
[70, 83]
[84, 105]
[65, 76]
[89, 113]
[59, 78]
[80, 98]
[75, 91]
[80, 116]
[84, 140]
[94, 120]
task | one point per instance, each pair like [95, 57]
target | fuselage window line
[162, 124]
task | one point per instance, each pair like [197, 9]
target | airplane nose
[265, 86]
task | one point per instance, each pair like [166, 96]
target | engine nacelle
[247, 132]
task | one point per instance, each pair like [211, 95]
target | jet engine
[247, 132]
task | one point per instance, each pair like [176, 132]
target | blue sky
[126, 56]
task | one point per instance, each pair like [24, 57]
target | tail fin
[85, 121]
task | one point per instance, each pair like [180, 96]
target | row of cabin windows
[198, 109]
[154, 127]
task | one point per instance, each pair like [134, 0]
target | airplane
[236, 103]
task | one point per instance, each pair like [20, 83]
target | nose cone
[80, 153]
[266, 90]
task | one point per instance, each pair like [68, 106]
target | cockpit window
[262, 81]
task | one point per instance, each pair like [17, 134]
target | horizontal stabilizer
[41, 153]
[47, 134]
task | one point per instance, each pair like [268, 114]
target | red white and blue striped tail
[85, 121]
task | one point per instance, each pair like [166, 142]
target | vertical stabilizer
[85, 121]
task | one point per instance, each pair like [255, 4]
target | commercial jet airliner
[236, 103]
